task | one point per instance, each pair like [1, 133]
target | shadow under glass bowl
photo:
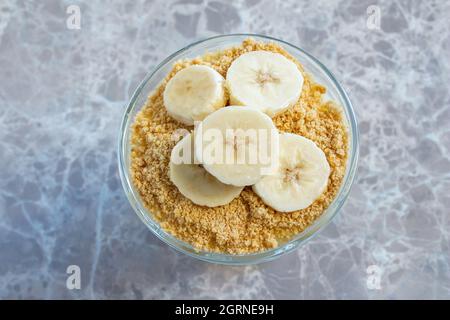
[312, 66]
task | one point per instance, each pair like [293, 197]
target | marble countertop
[63, 90]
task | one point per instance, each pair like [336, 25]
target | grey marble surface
[62, 94]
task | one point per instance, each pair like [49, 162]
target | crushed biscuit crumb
[245, 225]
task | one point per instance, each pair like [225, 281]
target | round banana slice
[193, 93]
[237, 145]
[266, 80]
[193, 181]
[302, 175]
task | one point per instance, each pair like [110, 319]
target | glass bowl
[320, 74]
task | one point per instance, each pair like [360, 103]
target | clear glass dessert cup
[320, 74]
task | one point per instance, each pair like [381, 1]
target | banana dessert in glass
[238, 150]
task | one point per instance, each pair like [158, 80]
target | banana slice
[237, 145]
[193, 93]
[266, 80]
[301, 177]
[193, 181]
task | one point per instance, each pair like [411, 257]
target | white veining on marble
[62, 94]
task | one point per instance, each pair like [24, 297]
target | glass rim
[238, 259]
